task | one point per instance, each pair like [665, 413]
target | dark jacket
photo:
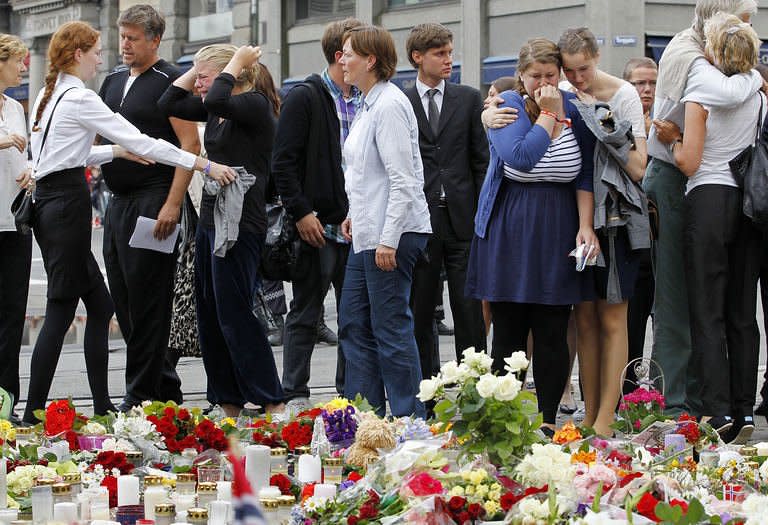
[457, 158]
[306, 159]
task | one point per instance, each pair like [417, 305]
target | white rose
[486, 385]
[507, 388]
[480, 361]
[516, 362]
[428, 388]
[94, 428]
[450, 373]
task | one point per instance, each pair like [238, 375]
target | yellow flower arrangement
[337, 403]
[7, 431]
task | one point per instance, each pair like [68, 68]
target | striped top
[560, 163]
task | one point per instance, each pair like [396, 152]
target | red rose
[475, 510]
[183, 414]
[59, 417]
[680, 503]
[169, 412]
[368, 510]
[422, 484]
[647, 506]
[71, 436]
[463, 517]
[282, 482]
[352, 520]
[456, 503]
[507, 500]
[373, 496]
[354, 476]
[629, 477]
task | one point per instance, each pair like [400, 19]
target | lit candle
[127, 490]
[310, 469]
[257, 466]
[325, 490]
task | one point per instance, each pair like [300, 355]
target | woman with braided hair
[65, 118]
[535, 206]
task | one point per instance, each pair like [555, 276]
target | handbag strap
[759, 118]
[48, 127]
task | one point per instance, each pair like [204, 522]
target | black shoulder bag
[750, 168]
[23, 206]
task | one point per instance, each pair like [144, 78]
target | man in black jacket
[454, 151]
[308, 173]
[141, 281]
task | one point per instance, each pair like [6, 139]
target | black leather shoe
[762, 409]
[326, 335]
[127, 404]
[444, 329]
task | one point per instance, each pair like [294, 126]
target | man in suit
[454, 151]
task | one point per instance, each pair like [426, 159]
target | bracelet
[207, 168]
[564, 121]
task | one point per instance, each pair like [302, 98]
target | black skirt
[62, 228]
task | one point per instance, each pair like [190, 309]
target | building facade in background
[487, 33]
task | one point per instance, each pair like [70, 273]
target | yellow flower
[7, 432]
[481, 491]
[465, 475]
[492, 507]
[469, 491]
[477, 476]
[337, 403]
[227, 421]
[494, 494]
[496, 487]
[456, 491]
[567, 434]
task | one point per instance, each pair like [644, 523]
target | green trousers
[665, 186]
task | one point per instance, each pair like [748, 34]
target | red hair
[61, 57]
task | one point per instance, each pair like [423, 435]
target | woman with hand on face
[16, 247]
[535, 206]
[602, 325]
[239, 131]
[65, 118]
[388, 225]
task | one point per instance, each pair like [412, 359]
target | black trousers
[511, 324]
[15, 263]
[236, 354]
[764, 301]
[639, 311]
[444, 249]
[327, 267]
[141, 282]
[722, 258]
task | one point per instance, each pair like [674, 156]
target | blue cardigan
[521, 145]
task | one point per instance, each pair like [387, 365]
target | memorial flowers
[640, 409]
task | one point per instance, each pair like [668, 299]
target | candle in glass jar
[332, 470]
[154, 494]
[42, 503]
[65, 512]
[279, 460]
[127, 490]
[257, 466]
[218, 512]
[224, 490]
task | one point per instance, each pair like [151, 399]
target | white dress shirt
[384, 178]
[422, 88]
[12, 161]
[80, 116]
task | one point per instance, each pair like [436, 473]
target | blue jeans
[376, 330]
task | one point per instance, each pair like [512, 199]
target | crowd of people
[565, 209]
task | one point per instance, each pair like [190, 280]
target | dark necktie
[434, 113]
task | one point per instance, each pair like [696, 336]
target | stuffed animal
[373, 433]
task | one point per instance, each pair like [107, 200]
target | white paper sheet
[143, 236]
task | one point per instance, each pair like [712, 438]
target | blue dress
[524, 231]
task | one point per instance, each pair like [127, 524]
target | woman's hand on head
[247, 56]
[549, 98]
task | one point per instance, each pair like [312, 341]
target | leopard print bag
[183, 339]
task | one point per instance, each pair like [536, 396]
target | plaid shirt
[346, 109]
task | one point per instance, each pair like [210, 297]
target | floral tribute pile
[482, 459]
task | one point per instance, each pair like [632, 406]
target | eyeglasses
[644, 83]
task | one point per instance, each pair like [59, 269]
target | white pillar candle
[127, 490]
[3, 483]
[257, 465]
[270, 492]
[218, 512]
[42, 504]
[325, 490]
[8, 515]
[224, 490]
[66, 512]
[762, 449]
[310, 469]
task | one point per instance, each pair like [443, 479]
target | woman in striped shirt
[536, 205]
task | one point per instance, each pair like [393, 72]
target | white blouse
[385, 178]
[80, 116]
[12, 161]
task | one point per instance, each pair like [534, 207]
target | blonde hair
[219, 55]
[538, 50]
[579, 40]
[705, 9]
[61, 57]
[731, 43]
[11, 46]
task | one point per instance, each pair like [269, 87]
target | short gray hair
[146, 17]
[706, 8]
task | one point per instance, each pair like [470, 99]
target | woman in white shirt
[602, 326]
[16, 247]
[388, 225]
[721, 245]
[66, 118]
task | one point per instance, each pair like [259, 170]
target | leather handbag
[23, 209]
[750, 168]
[23, 206]
[281, 259]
